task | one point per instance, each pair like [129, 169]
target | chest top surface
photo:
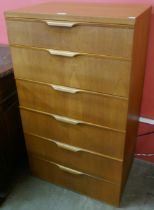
[92, 12]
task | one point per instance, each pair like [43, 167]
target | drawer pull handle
[68, 147]
[63, 53]
[65, 89]
[66, 120]
[69, 170]
[60, 23]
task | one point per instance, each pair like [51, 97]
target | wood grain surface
[82, 37]
[84, 71]
[99, 139]
[105, 110]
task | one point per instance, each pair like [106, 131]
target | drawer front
[97, 139]
[96, 73]
[76, 181]
[83, 37]
[74, 157]
[81, 105]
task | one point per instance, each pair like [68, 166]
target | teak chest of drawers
[79, 71]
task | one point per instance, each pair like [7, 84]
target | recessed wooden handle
[69, 170]
[60, 23]
[63, 53]
[66, 120]
[68, 147]
[65, 89]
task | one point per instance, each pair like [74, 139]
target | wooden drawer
[94, 138]
[74, 157]
[74, 103]
[81, 37]
[96, 73]
[75, 180]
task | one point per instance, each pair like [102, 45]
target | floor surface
[30, 193]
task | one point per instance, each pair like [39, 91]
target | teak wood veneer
[79, 72]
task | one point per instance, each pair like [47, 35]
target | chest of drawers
[79, 71]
